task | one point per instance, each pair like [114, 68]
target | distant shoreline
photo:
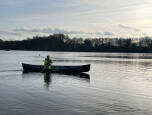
[62, 43]
[79, 51]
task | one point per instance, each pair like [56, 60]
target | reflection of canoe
[82, 75]
[56, 69]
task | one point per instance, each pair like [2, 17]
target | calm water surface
[119, 84]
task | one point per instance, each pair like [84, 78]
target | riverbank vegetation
[61, 42]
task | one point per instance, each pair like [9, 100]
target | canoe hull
[55, 69]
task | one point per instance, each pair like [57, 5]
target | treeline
[61, 42]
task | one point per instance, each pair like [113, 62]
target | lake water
[119, 84]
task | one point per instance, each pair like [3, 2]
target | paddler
[47, 62]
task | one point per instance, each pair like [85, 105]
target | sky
[20, 19]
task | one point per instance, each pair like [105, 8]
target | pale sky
[20, 19]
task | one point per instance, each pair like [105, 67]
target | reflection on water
[47, 80]
[118, 84]
[48, 76]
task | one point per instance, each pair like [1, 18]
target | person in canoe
[47, 63]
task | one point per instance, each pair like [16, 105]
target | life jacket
[47, 63]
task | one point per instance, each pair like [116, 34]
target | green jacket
[47, 63]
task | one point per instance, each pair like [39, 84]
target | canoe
[56, 68]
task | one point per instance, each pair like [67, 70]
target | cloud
[48, 31]
[128, 28]
[108, 33]
[144, 34]
[61, 31]
[105, 33]
[86, 15]
[9, 33]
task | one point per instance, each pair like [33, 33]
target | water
[119, 84]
